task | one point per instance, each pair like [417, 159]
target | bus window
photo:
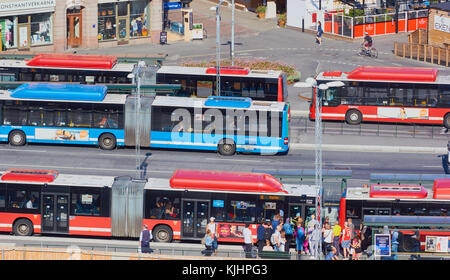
[79, 115]
[204, 88]
[271, 92]
[241, 211]
[2, 196]
[218, 210]
[39, 117]
[86, 203]
[18, 197]
[162, 205]
[444, 96]
[14, 115]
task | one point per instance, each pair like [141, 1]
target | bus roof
[415, 195]
[387, 74]
[15, 63]
[184, 70]
[60, 91]
[175, 101]
[73, 61]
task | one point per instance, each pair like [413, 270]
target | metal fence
[378, 24]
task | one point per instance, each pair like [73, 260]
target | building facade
[439, 25]
[58, 25]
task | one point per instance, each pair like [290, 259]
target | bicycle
[372, 52]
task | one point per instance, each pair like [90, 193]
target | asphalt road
[161, 163]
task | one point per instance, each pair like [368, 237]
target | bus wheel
[23, 227]
[107, 141]
[353, 117]
[162, 234]
[227, 147]
[447, 121]
[17, 138]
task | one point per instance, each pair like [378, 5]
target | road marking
[352, 164]
[433, 166]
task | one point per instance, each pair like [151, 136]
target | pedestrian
[268, 247]
[352, 227]
[276, 239]
[355, 248]
[212, 226]
[247, 241]
[332, 255]
[300, 237]
[260, 236]
[346, 238]
[394, 241]
[276, 220]
[289, 232]
[316, 239]
[144, 239]
[208, 242]
[319, 33]
[416, 246]
[327, 239]
[282, 239]
[337, 231]
[268, 231]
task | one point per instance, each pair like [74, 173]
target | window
[20, 197]
[2, 196]
[86, 202]
[107, 117]
[242, 211]
[9, 32]
[444, 96]
[426, 95]
[79, 115]
[138, 18]
[14, 114]
[41, 29]
[162, 205]
[107, 21]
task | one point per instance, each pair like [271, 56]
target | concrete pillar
[156, 17]
[186, 24]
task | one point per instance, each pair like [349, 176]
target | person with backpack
[289, 232]
[300, 236]
[144, 239]
[208, 242]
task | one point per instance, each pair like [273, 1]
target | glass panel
[9, 32]
[62, 208]
[202, 218]
[41, 29]
[138, 18]
[122, 28]
[188, 218]
[86, 204]
[122, 9]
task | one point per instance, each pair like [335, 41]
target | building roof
[444, 6]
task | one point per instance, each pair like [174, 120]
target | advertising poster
[402, 113]
[382, 245]
[231, 231]
[62, 134]
[430, 245]
[437, 244]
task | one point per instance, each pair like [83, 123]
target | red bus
[394, 200]
[179, 208]
[268, 85]
[386, 94]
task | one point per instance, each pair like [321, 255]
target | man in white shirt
[30, 202]
[247, 241]
[212, 226]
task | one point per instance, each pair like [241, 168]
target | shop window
[9, 33]
[138, 18]
[107, 21]
[41, 29]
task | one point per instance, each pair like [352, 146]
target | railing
[380, 24]
[422, 52]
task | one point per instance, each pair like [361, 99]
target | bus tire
[447, 120]
[226, 147]
[107, 141]
[17, 138]
[162, 233]
[23, 227]
[353, 117]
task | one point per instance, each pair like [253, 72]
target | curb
[371, 148]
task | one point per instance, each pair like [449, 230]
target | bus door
[55, 213]
[195, 215]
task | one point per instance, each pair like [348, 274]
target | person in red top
[346, 238]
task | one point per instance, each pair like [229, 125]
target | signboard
[26, 7]
[437, 244]
[441, 23]
[163, 37]
[382, 245]
[172, 5]
[232, 231]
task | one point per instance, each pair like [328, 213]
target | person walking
[319, 33]
[289, 233]
[260, 236]
[247, 241]
[144, 239]
[346, 238]
[416, 246]
[316, 239]
[276, 239]
[327, 239]
[337, 231]
[300, 237]
[212, 226]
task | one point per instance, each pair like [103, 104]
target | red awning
[441, 189]
[406, 74]
[225, 181]
[28, 175]
[398, 191]
[73, 61]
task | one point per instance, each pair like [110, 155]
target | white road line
[353, 164]
[432, 166]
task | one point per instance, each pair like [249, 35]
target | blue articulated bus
[86, 114]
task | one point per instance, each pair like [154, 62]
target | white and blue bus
[87, 114]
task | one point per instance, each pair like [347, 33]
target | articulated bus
[66, 68]
[86, 114]
[386, 94]
[268, 85]
[179, 208]
[397, 200]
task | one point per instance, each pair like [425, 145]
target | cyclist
[367, 42]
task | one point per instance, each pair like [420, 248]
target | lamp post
[232, 32]
[217, 8]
